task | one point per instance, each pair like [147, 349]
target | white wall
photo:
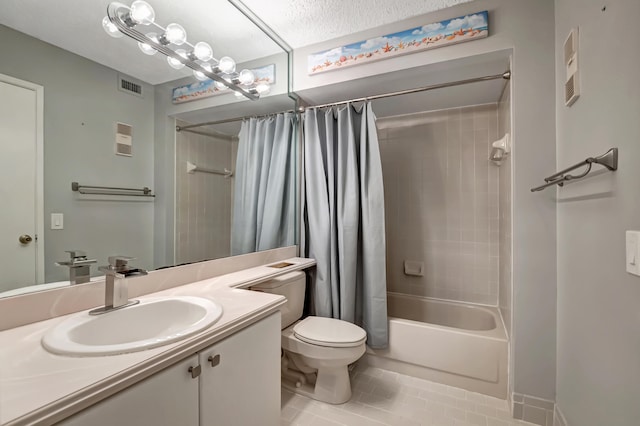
[598, 302]
[81, 106]
[526, 27]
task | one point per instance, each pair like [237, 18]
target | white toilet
[316, 351]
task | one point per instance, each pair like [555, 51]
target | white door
[21, 244]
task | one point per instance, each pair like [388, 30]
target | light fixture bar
[118, 15]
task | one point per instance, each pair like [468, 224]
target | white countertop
[37, 387]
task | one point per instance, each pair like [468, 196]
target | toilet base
[332, 386]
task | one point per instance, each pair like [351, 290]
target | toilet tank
[291, 286]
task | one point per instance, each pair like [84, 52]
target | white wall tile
[203, 220]
[442, 199]
[503, 120]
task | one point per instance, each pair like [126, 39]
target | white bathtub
[452, 343]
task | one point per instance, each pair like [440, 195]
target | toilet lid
[329, 332]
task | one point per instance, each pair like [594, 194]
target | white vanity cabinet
[236, 383]
[242, 388]
[169, 397]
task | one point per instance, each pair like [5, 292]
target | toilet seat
[329, 332]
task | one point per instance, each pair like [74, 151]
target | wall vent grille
[570, 46]
[128, 86]
[570, 91]
[124, 139]
[572, 81]
[124, 129]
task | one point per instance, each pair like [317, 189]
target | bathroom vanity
[228, 373]
[233, 382]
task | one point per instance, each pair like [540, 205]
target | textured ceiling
[304, 22]
[74, 25]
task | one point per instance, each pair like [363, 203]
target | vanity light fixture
[128, 20]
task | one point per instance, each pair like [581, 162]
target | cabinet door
[240, 381]
[168, 398]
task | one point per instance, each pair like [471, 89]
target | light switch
[57, 221]
[633, 252]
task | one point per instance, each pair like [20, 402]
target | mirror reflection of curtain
[265, 185]
[344, 218]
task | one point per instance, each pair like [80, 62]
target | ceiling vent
[572, 82]
[128, 85]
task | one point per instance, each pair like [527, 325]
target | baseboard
[533, 410]
[558, 419]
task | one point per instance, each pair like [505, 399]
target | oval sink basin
[151, 323]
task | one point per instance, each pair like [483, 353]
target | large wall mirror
[61, 80]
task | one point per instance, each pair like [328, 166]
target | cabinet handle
[214, 360]
[195, 371]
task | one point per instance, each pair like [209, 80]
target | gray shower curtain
[344, 218]
[265, 185]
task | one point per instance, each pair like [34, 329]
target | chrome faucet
[116, 292]
[79, 266]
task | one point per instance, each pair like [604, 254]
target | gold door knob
[25, 239]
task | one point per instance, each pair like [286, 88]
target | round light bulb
[246, 77]
[200, 75]
[142, 12]
[263, 88]
[219, 86]
[227, 65]
[176, 64]
[175, 34]
[110, 28]
[203, 51]
[146, 48]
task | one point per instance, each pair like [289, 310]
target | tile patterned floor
[382, 397]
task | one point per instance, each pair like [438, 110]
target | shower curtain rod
[505, 76]
[228, 120]
[213, 134]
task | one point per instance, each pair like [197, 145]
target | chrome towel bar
[609, 160]
[109, 190]
[192, 168]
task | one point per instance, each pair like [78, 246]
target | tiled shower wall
[504, 126]
[442, 203]
[203, 200]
